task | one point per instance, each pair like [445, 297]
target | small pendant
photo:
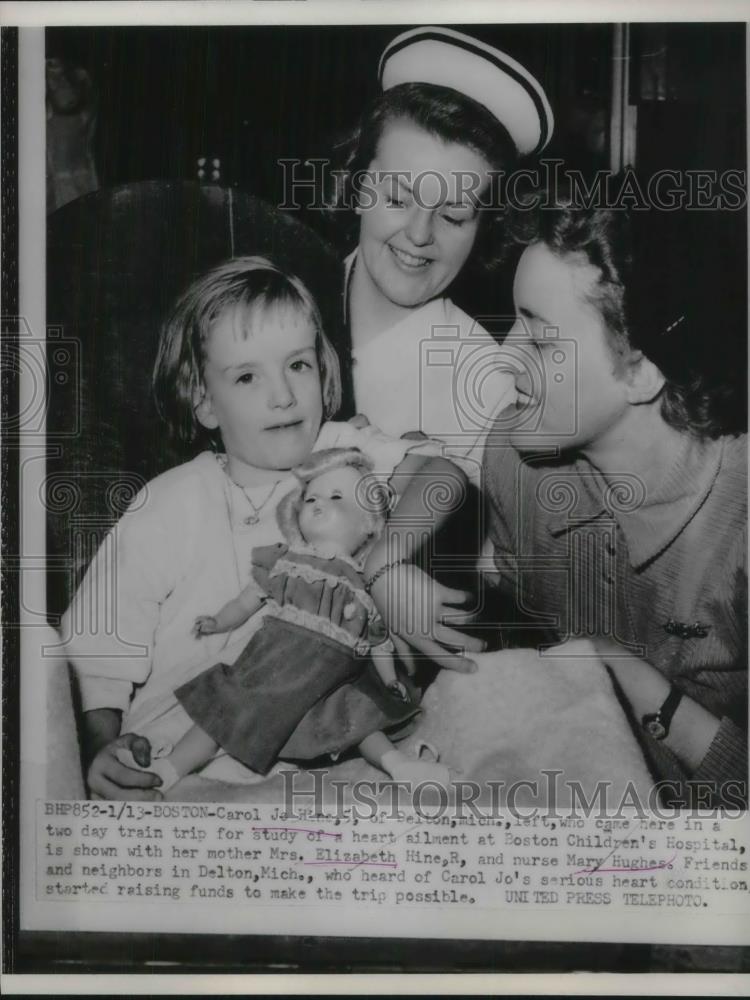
[251, 519]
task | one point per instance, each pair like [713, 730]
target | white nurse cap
[447, 58]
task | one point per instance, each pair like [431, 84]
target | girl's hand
[414, 608]
[204, 625]
[109, 778]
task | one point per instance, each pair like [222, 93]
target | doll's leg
[379, 751]
[194, 749]
[385, 666]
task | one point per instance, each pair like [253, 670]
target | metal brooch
[695, 631]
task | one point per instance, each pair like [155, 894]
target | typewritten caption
[153, 852]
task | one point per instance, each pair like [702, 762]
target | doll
[319, 676]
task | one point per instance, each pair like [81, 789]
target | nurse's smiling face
[418, 234]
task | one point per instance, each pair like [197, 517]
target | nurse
[454, 115]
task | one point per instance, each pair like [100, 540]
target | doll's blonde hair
[374, 495]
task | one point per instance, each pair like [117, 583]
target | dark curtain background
[249, 96]
[165, 98]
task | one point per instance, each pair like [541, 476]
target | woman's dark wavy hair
[442, 112]
[656, 293]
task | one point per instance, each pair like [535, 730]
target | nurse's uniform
[437, 371]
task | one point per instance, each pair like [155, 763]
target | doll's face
[332, 514]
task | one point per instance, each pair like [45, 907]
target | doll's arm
[382, 650]
[234, 613]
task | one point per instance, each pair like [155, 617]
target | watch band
[657, 723]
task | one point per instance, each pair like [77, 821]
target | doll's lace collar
[319, 552]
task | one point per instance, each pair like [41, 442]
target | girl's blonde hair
[252, 282]
[375, 496]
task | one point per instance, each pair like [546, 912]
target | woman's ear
[644, 380]
[203, 409]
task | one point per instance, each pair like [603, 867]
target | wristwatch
[657, 723]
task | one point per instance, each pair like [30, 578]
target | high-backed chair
[116, 260]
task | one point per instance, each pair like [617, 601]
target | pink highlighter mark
[649, 868]
[358, 864]
[297, 829]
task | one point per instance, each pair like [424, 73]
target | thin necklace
[256, 508]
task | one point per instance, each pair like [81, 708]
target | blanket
[522, 714]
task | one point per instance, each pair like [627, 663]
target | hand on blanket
[414, 607]
[109, 778]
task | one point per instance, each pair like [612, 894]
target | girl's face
[418, 219]
[331, 513]
[572, 392]
[262, 389]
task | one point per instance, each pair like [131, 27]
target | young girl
[321, 626]
[242, 360]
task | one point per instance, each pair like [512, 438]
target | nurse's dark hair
[442, 112]
[254, 284]
[658, 293]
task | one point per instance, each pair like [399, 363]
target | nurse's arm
[413, 605]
